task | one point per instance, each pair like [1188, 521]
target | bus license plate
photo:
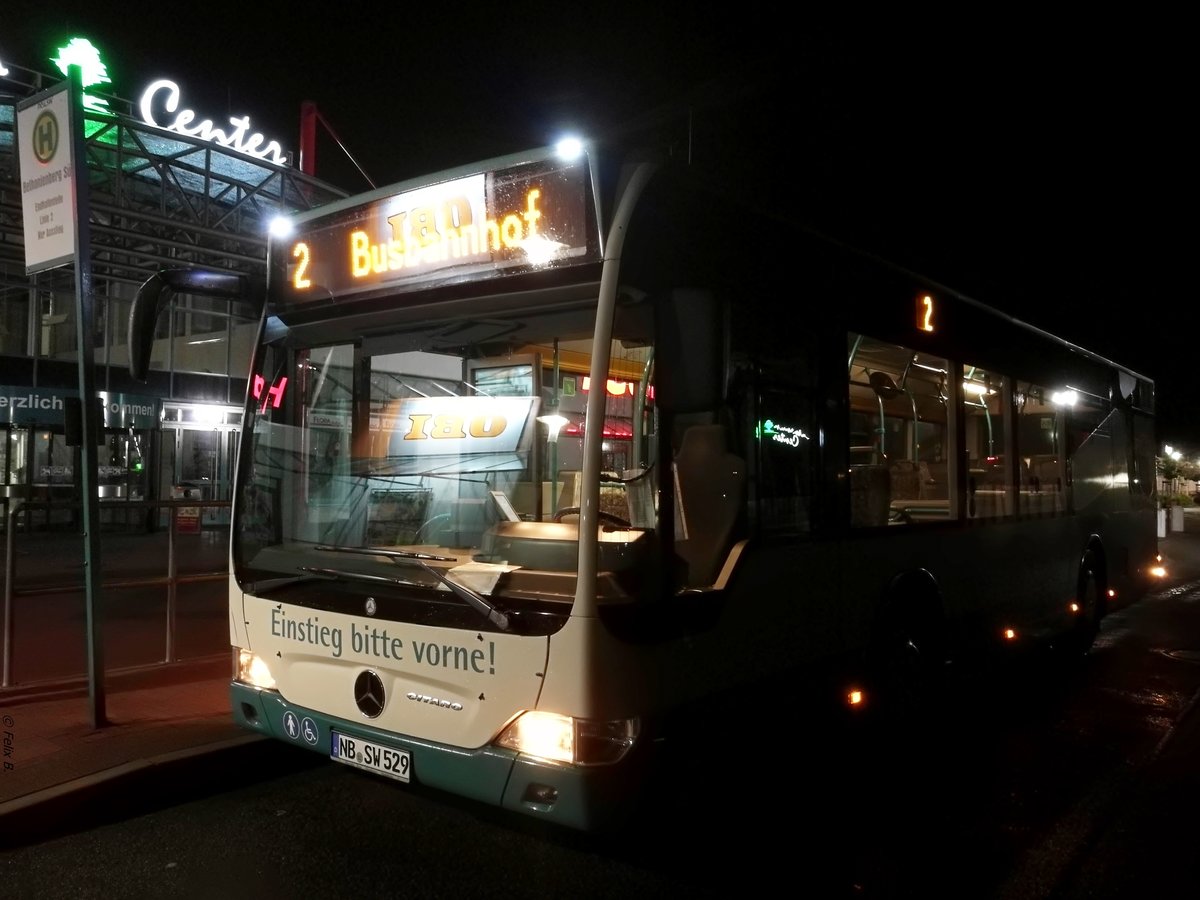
[354, 751]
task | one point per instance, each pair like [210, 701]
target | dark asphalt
[174, 739]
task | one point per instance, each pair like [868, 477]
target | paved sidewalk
[172, 724]
[160, 720]
[160, 717]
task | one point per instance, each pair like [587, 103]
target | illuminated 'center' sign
[515, 219]
[164, 95]
[239, 138]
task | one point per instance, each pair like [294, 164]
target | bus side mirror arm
[155, 293]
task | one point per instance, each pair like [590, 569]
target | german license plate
[354, 751]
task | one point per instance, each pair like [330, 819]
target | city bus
[545, 456]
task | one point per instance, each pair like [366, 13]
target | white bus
[539, 457]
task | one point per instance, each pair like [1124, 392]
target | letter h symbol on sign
[274, 393]
[45, 137]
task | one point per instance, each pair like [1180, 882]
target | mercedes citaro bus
[544, 453]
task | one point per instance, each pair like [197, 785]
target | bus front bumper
[589, 799]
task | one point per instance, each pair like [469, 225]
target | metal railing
[172, 579]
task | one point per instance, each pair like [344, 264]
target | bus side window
[1042, 467]
[898, 435]
[1090, 431]
[986, 415]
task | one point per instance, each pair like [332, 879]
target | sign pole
[56, 216]
[84, 317]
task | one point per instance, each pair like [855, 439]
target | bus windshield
[455, 445]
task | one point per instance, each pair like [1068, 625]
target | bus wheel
[1079, 639]
[909, 664]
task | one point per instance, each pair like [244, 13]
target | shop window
[14, 324]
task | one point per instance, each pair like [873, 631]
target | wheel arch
[913, 595]
[909, 647]
[912, 589]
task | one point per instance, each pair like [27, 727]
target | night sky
[1036, 165]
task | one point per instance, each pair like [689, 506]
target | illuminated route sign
[506, 220]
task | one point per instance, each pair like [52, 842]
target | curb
[141, 786]
[25, 803]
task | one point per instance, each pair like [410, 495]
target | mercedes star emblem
[368, 694]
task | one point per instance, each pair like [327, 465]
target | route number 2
[925, 313]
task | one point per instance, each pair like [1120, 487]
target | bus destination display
[469, 228]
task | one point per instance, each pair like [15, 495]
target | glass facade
[154, 204]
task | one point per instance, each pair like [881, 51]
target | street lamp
[554, 423]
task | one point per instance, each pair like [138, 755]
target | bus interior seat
[906, 480]
[936, 483]
[613, 500]
[711, 483]
[926, 478]
[870, 496]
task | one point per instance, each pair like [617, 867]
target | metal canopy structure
[158, 199]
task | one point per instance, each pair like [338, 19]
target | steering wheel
[605, 518]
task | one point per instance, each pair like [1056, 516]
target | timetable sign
[47, 179]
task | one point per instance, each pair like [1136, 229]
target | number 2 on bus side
[367, 755]
[925, 313]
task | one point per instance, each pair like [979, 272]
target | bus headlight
[580, 742]
[254, 671]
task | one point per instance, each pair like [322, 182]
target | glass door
[202, 461]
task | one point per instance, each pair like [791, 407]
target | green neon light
[780, 433]
[81, 52]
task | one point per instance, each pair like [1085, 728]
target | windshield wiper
[312, 573]
[270, 584]
[477, 601]
[323, 574]
[394, 554]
